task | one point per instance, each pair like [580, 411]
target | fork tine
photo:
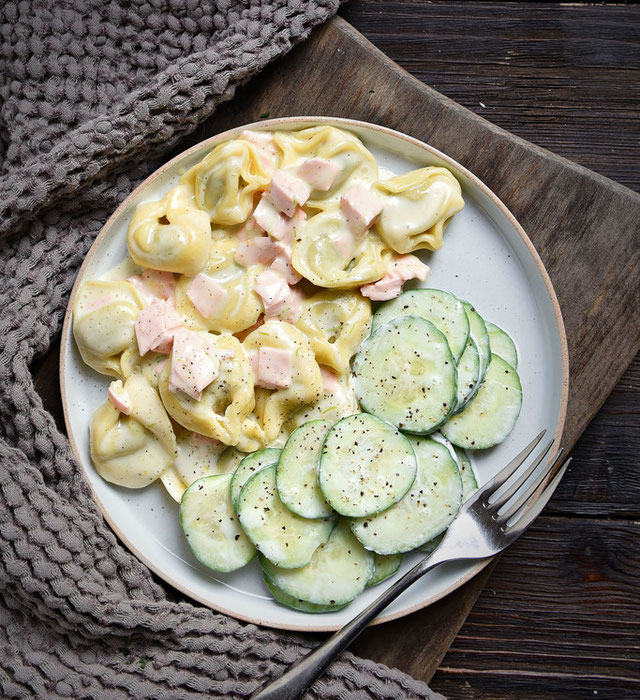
[494, 484]
[524, 494]
[517, 528]
[500, 500]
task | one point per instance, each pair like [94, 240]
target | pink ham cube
[282, 264]
[319, 173]
[271, 287]
[192, 367]
[153, 284]
[274, 368]
[260, 250]
[205, 294]
[119, 397]
[389, 286]
[329, 380]
[346, 244]
[360, 207]
[287, 192]
[155, 325]
[289, 309]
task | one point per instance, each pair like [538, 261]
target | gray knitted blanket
[93, 95]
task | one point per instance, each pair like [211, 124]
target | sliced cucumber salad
[337, 508]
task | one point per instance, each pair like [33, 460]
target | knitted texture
[93, 95]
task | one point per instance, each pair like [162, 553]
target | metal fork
[488, 522]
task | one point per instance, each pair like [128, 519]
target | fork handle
[292, 685]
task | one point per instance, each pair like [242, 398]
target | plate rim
[265, 124]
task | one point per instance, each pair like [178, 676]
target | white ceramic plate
[486, 259]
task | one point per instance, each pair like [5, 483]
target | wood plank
[521, 623]
[561, 76]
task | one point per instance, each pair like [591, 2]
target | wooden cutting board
[583, 225]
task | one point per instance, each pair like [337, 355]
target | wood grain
[555, 75]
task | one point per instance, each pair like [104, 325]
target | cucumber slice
[366, 466]
[478, 332]
[490, 417]
[469, 370]
[404, 373]
[284, 538]
[502, 344]
[337, 573]
[383, 567]
[426, 511]
[441, 308]
[297, 603]
[248, 466]
[297, 471]
[211, 527]
[469, 481]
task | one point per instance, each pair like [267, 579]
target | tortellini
[150, 366]
[104, 316]
[273, 408]
[344, 149]
[417, 207]
[133, 450]
[224, 404]
[335, 322]
[238, 307]
[318, 253]
[224, 183]
[338, 403]
[171, 235]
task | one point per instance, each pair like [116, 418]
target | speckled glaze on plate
[486, 259]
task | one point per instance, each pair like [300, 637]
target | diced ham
[287, 192]
[329, 380]
[275, 368]
[405, 267]
[271, 287]
[277, 225]
[153, 284]
[289, 309]
[155, 325]
[259, 250]
[251, 229]
[119, 397]
[282, 264]
[319, 173]
[346, 243]
[360, 207]
[205, 294]
[192, 367]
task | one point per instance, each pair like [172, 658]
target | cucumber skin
[383, 572]
[479, 444]
[296, 603]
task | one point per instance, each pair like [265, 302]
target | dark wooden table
[560, 615]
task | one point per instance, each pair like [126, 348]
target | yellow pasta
[133, 450]
[104, 315]
[336, 322]
[340, 147]
[319, 256]
[273, 408]
[225, 403]
[171, 234]
[239, 306]
[225, 181]
[417, 207]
